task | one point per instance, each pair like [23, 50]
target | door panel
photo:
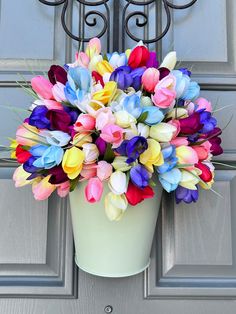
[193, 258]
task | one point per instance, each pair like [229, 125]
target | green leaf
[109, 154]
[143, 117]
[73, 184]
[105, 57]
[152, 183]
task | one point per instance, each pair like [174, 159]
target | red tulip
[136, 195]
[138, 57]
[206, 175]
[22, 155]
[98, 78]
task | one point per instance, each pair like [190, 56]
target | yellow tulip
[13, 145]
[152, 156]
[124, 119]
[115, 206]
[189, 179]
[72, 162]
[104, 67]
[81, 138]
[106, 94]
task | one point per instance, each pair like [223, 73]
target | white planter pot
[113, 248]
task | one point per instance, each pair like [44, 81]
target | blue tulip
[132, 105]
[50, 158]
[38, 118]
[38, 150]
[155, 115]
[170, 159]
[182, 83]
[170, 179]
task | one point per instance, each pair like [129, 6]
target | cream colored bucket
[113, 248]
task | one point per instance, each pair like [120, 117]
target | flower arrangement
[120, 119]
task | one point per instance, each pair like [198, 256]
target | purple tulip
[186, 195]
[163, 72]
[139, 176]
[215, 140]
[28, 165]
[57, 74]
[101, 145]
[136, 75]
[39, 119]
[132, 148]
[59, 119]
[191, 124]
[122, 76]
[72, 112]
[152, 61]
[58, 176]
[209, 122]
[185, 71]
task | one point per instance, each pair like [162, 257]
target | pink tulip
[104, 117]
[164, 98]
[177, 125]
[88, 171]
[204, 104]
[58, 92]
[93, 47]
[113, 134]
[52, 104]
[93, 190]
[42, 189]
[179, 141]
[104, 170]
[82, 59]
[85, 122]
[168, 81]
[42, 87]
[27, 135]
[150, 79]
[63, 189]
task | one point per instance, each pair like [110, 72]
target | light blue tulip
[192, 92]
[78, 87]
[79, 78]
[50, 158]
[132, 105]
[57, 138]
[170, 179]
[154, 116]
[116, 60]
[182, 83]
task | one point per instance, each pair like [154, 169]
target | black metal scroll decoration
[167, 6]
[92, 14]
[90, 18]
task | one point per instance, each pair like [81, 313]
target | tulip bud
[93, 190]
[162, 132]
[150, 79]
[115, 206]
[169, 61]
[118, 182]
[91, 153]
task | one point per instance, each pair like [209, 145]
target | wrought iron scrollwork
[89, 18]
[142, 18]
[167, 6]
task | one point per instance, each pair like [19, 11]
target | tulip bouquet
[117, 119]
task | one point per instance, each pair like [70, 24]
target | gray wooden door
[193, 267]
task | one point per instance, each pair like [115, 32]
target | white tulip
[118, 182]
[169, 61]
[162, 132]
